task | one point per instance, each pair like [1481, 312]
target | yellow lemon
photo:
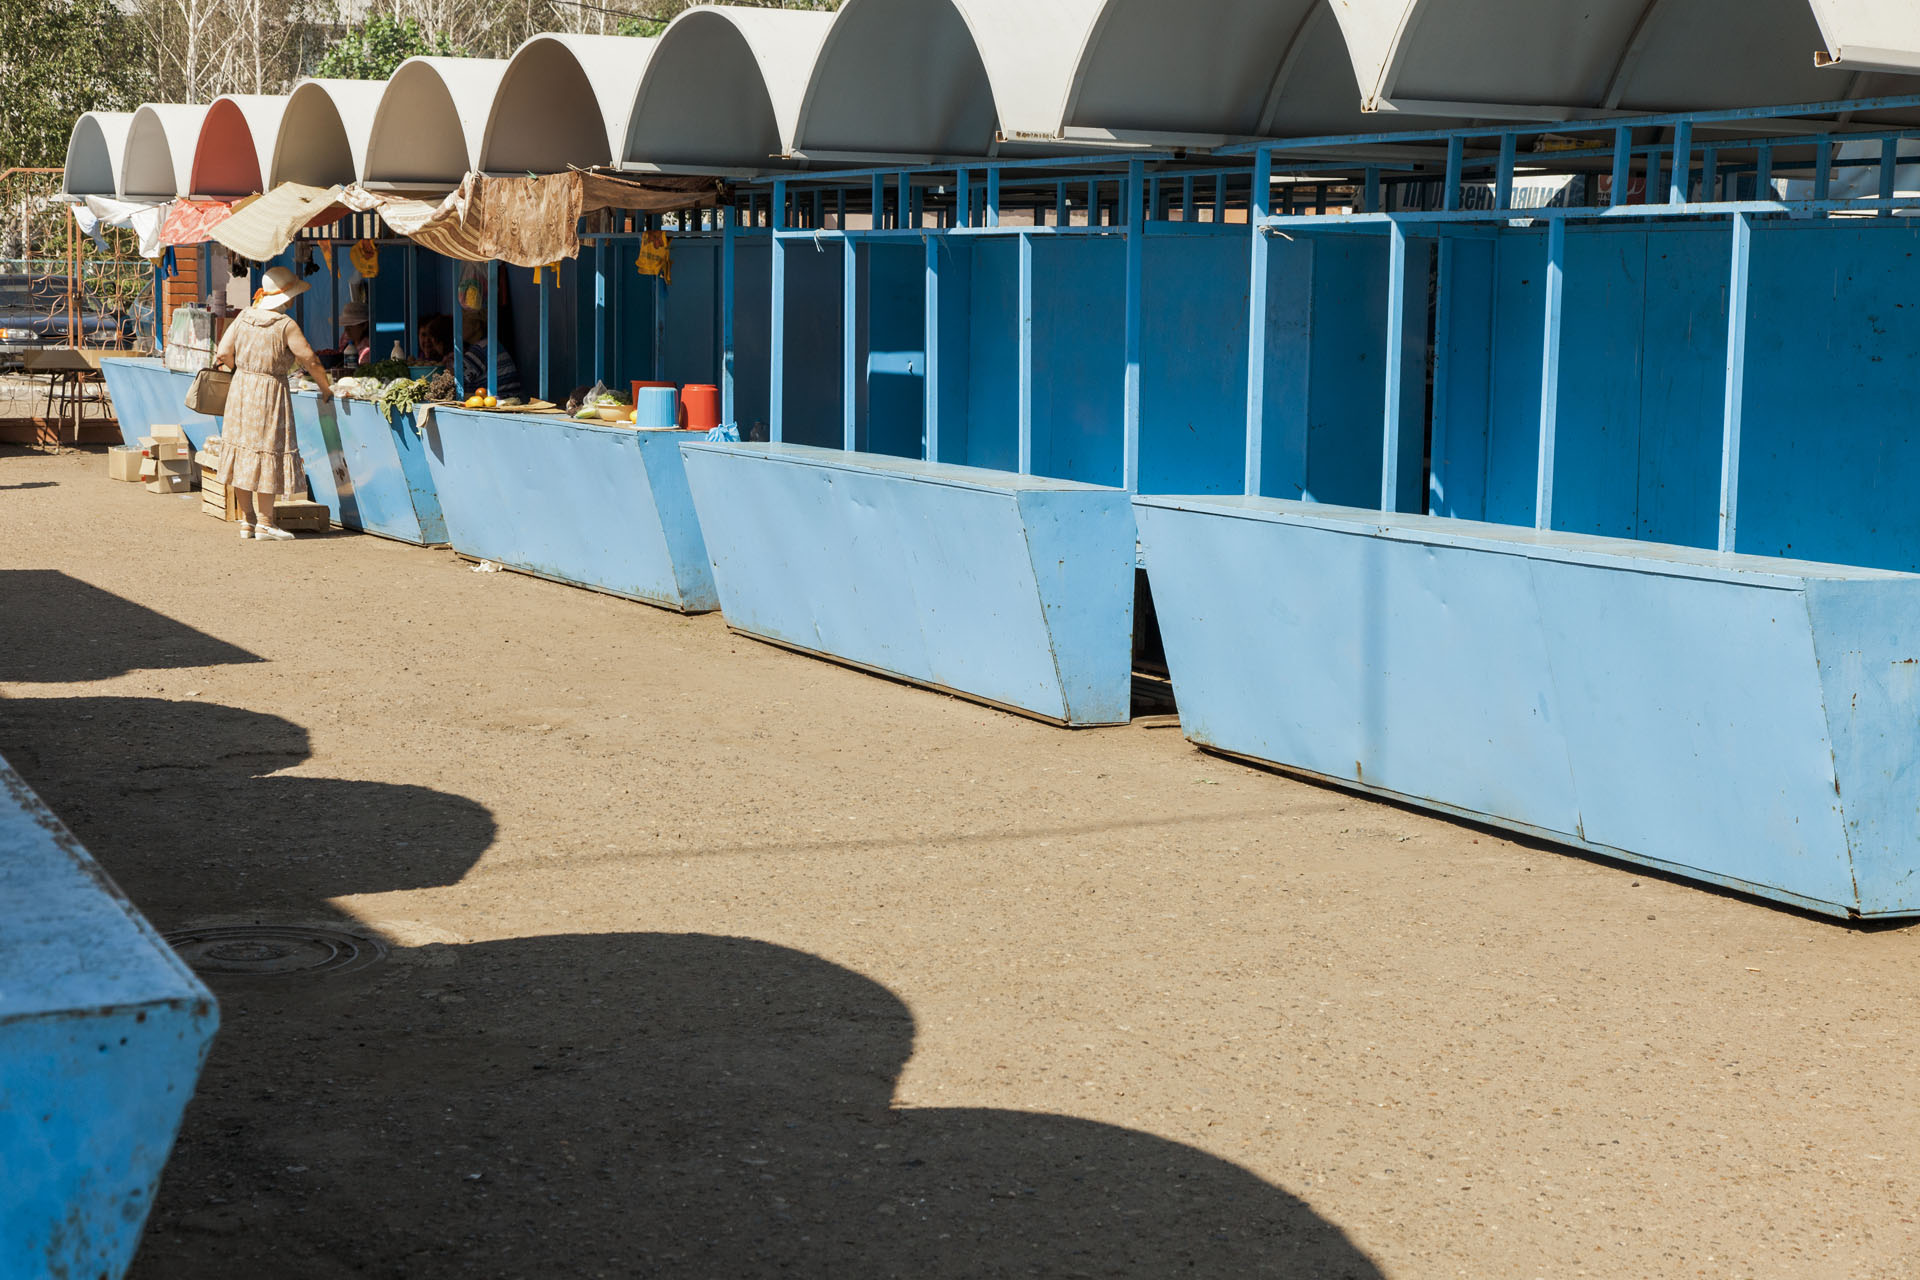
[474, 402]
[493, 402]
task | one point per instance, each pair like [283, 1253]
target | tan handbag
[208, 395]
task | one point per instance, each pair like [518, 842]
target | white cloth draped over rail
[95, 212]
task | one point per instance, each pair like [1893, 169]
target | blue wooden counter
[146, 393]
[596, 506]
[371, 475]
[1735, 719]
[1012, 589]
[103, 1032]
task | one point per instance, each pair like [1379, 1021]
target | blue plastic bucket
[656, 407]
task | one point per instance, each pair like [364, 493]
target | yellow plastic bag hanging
[656, 256]
[366, 259]
[326, 252]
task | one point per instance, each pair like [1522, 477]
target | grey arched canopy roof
[1523, 59]
[161, 143]
[96, 151]
[234, 155]
[967, 77]
[325, 132]
[432, 121]
[563, 102]
[725, 88]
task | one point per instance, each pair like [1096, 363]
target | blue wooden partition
[596, 506]
[370, 474]
[103, 1032]
[146, 393]
[1741, 720]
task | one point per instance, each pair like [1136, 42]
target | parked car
[33, 313]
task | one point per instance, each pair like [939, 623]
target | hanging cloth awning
[143, 220]
[264, 228]
[191, 222]
[530, 221]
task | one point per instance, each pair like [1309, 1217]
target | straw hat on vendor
[356, 335]
[259, 459]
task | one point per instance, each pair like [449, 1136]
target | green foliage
[373, 49]
[648, 27]
[58, 60]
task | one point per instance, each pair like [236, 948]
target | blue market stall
[1632, 569]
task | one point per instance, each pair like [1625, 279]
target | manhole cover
[269, 950]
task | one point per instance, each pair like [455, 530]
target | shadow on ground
[57, 629]
[620, 1105]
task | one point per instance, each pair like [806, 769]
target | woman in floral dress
[259, 459]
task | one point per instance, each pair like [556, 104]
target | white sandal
[271, 533]
[246, 531]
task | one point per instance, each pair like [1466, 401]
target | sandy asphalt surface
[712, 960]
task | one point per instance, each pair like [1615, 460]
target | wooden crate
[300, 516]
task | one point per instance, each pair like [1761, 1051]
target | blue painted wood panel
[103, 1032]
[1740, 720]
[596, 506]
[1011, 589]
[146, 393]
[371, 475]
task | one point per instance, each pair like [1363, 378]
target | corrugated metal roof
[725, 88]
[432, 121]
[96, 152]
[563, 102]
[325, 132]
[161, 143]
[234, 154]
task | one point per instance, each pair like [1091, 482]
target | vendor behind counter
[436, 344]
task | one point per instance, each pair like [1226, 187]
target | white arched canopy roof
[725, 88]
[235, 151]
[563, 103]
[1521, 59]
[1226, 68]
[960, 77]
[325, 131]
[161, 143]
[95, 152]
[432, 121]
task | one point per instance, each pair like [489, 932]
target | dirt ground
[713, 960]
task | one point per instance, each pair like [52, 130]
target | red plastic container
[699, 406]
[635, 397]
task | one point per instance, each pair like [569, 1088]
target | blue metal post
[993, 197]
[1653, 176]
[849, 346]
[728, 236]
[777, 374]
[1258, 210]
[1220, 197]
[1550, 372]
[1823, 169]
[493, 327]
[1026, 354]
[931, 386]
[1396, 352]
[1093, 204]
[1709, 174]
[879, 202]
[1136, 263]
[903, 202]
[963, 199]
[546, 287]
[659, 329]
[409, 258]
[1763, 181]
[459, 337]
[1456, 162]
[1061, 217]
[1682, 163]
[1186, 199]
[1373, 189]
[1736, 382]
[1622, 164]
[1503, 179]
[600, 311]
[1889, 160]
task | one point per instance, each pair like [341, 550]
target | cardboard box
[168, 431]
[171, 451]
[171, 482]
[148, 468]
[123, 463]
